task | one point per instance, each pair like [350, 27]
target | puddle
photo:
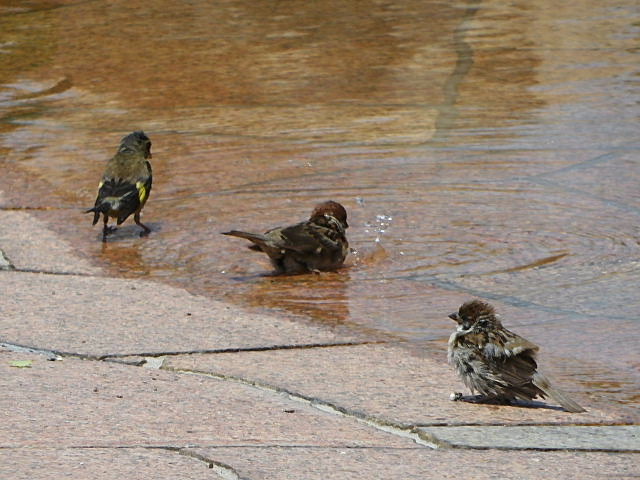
[480, 149]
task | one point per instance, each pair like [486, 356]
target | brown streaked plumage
[126, 184]
[317, 244]
[495, 362]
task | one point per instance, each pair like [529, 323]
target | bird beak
[454, 316]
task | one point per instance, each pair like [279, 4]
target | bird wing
[307, 237]
[512, 359]
[119, 196]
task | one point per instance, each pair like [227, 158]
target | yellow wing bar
[142, 191]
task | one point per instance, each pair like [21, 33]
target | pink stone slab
[100, 316]
[420, 464]
[99, 464]
[390, 382]
[29, 243]
[82, 403]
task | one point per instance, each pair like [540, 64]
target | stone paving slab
[384, 381]
[615, 438]
[102, 316]
[100, 463]
[30, 245]
[83, 403]
[384, 464]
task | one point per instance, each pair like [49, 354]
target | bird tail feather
[98, 209]
[258, 239]
[558, 396]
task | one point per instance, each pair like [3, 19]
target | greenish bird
[125, 185]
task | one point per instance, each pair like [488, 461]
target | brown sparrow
[126, 184]
[318, 244]
[496, 362]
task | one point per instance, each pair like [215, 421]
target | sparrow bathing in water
[126, 184]
[496, 362]
[318, 244]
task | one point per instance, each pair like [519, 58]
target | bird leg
[146, 230]
[106, 230]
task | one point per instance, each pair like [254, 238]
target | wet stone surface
[492, 154]
[482, 149]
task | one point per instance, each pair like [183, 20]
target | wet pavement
[154, 381]
[481, 149]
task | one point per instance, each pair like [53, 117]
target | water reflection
[480, 148]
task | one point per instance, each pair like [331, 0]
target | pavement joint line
[539, 449]
[612, 203]
[509, 299]
[399, 430]
[608, 438]
[51, 272]
[28, 208]
[209, 446]
[114, 357]
[611, 154]
[451, 285]
[413, 432]
[267, 348]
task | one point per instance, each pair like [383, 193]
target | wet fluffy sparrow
[126, 184]
[319, 243]
[496, 362]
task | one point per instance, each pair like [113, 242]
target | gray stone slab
[80, 403]
[100, 464]
[396, 383]
[420, 464]
[615, 438]
[101, 316]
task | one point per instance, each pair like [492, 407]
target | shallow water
[483, 149]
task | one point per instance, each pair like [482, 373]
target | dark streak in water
[448, 113]
[537, 263]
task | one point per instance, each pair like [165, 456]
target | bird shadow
[480, 400]
[129, 232]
